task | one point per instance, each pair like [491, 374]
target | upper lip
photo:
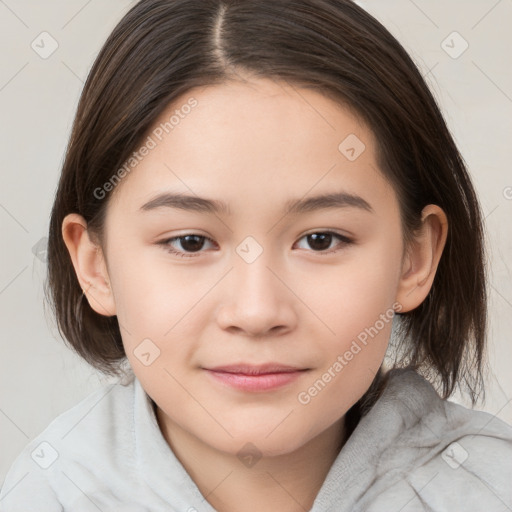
[261, 369]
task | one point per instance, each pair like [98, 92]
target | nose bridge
[252, 272]
[257, 298]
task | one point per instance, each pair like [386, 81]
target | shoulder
[72, 442]
[457, 458]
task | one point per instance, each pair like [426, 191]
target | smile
[255, 378]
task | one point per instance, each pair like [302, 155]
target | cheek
[355, 305]
[153, 294]
[362, 322]
[160, 308]
[352, 296]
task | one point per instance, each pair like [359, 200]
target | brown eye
[190, 244]
[321, 241]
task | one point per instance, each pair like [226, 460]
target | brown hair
[163, 48]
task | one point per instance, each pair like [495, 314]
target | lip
[263, 377]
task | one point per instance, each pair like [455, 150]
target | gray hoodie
[412, 451]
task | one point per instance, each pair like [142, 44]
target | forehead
[253, 144]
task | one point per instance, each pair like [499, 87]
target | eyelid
[167, 241]
[344, 241]
[330, 232]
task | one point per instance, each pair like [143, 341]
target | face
[263, 323]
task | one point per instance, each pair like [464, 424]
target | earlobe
[89, 264]
[422, 258]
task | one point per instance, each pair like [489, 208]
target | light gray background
[39, 376]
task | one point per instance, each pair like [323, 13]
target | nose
[256, 301]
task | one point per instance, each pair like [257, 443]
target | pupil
[191, 246]
[325, 241]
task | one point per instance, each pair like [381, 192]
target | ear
[89, 264]
[422, 258]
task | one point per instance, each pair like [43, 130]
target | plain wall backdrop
[462, 47]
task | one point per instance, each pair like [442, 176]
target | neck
[284, 483]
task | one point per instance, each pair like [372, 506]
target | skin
[255, 145]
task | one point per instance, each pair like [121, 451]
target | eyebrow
[293, 206]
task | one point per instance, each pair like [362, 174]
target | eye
[192, 244]
[189, 242]
[321, 240]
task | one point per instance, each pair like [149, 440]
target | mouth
[263, 377]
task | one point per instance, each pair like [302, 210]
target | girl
[256, 198]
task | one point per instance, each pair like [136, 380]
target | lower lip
[262, 382]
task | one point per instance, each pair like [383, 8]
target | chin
[259, 444]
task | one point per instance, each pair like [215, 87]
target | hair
[162, 49]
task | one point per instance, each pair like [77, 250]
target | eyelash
[166, 243]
